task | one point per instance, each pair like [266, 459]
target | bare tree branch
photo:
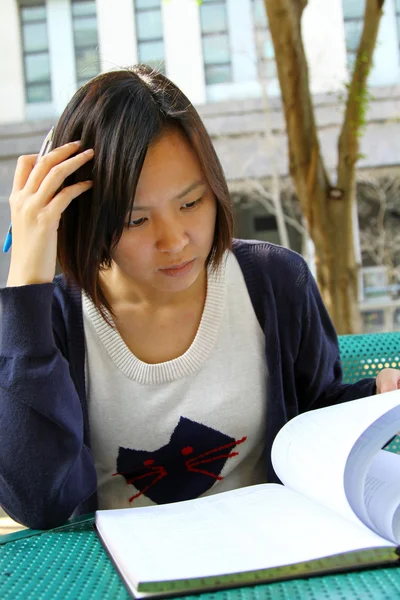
[262, 196]
[358, 96]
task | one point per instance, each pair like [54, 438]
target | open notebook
[339, 509]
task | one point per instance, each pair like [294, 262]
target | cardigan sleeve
[46, 470]
[318, 369]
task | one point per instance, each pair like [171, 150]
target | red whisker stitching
[158, 468]
[218, 449]
[140, 493]
[212, 459]
[217, 477]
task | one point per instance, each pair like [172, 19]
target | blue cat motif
[183, 469]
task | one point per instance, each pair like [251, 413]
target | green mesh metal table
[69, 563]
[365, 355]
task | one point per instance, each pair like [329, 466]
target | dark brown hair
[119, 114]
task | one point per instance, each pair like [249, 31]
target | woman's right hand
[36, 210]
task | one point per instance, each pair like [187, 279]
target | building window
[86, 44]
[266, 65]
[149, 33]
[215, 39]
[36, 53]
[353, 13]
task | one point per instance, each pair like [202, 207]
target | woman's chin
[178, 281]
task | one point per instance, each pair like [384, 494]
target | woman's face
[170, 233]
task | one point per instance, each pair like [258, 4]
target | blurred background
[220, 53]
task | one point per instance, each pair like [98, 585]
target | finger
[23, 169]
[388, 381]
[56, 177]
[48, 162]
[387, 387]
[64, 198]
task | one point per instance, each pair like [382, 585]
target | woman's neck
[121, 291]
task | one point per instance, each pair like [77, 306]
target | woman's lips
[178, 270]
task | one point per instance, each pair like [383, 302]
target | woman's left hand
[388, 380]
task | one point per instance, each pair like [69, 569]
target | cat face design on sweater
[183, 469]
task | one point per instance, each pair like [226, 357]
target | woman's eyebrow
[190, 188]
[179, 196]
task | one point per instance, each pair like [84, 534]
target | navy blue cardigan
[47, 471]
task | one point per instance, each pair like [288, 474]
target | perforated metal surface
[69, 563]
[365, 355]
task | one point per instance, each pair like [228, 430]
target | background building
[220, 53]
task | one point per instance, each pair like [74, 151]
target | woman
[163, 361]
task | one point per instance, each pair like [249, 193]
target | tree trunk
[329, 211]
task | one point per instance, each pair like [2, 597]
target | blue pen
[46, 147]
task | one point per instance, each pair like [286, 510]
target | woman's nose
[171, 238]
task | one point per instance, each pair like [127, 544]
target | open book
[339, 509]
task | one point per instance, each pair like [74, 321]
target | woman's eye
[137, 222]
[190, 205]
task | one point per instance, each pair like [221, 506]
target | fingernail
[89, 152]
[77, 143]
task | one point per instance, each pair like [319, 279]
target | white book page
[310, 453]
[250, 528]
[365, 451]
[382, 494]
